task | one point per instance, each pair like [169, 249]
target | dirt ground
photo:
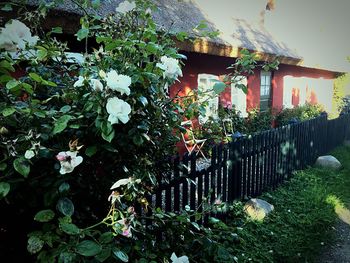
[339, 252]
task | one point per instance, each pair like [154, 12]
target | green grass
[303, 217]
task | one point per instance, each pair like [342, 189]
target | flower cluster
[15, 35]
[118, 109]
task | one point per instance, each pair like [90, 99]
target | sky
[318, 30]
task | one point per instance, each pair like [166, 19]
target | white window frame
[238, 97]
[266, 84]
[205, 84]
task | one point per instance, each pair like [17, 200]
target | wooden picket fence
[248, 166]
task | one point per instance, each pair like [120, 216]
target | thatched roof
[184, 15]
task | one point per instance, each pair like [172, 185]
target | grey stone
[328, 161]
[258, 209]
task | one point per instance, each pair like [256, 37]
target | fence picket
[248, 166]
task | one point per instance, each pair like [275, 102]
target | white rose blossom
[79, 82]
[118, 110]
[120, 183]
[29, 154]
[118, 82]
[15, 35]
[182, 259]
[125, 7]
[68, 160]
[170, 66]
[96, 85]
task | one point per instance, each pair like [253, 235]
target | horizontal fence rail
[248, 166]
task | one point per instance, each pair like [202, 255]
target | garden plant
[84, 143]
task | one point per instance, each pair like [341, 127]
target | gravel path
[339, 252]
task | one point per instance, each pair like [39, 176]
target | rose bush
[73, 129]
[84, 142]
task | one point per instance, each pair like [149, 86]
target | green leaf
[152, 48]
[4, 189]
[7, 8]
[95, 3]
[143, 100]
[137, 139]
[57, 30]
[3, 166]
[103, 255]
[12, 84]
[35, 77]
[49, 83]
[106, 127]
[196, 226]
[64, 187]
[61, 124]
[82, 33]
[5, 78]
[65, 109]
[8, 111]
[242, 87]
[213, 220]
[88, 248]
[70, 229]
[44, 216]
[21, 165]
[34, 245]
[65, 206]
[27, 87]
[7, 65]
[121, 255]
[90, 151]
[108, 137]
[106, 238]
[40, 114]
[42, 53]
[219, 87]
[67, 257]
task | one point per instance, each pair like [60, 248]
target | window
[265, 90]
[205, 84]
[239, 98]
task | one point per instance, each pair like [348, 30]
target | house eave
[205, 46]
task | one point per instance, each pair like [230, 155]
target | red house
[241, 26]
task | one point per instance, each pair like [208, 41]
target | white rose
[68, 160]
[29, 154]
[96, 85]
[120, 183]
[118, 82]
[125, 7]
[170, 66]
[79, 82]
[15, 35]
[175, 259]
[118, 110]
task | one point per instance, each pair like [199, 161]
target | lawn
[305, 211]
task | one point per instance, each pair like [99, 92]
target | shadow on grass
[306, 208]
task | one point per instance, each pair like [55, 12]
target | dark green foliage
[300, 113]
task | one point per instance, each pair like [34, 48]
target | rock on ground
[258, 209]
[328, 161]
